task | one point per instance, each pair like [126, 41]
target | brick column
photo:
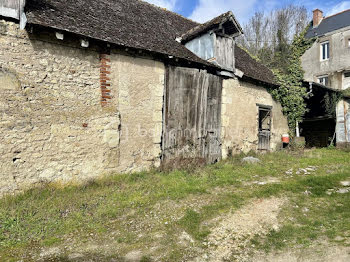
[105, 71]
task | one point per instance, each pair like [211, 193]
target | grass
[191, 223]
[311, 217]
[326, 217]
[150, 209]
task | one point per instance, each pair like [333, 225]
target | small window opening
[323, 80]
[324, 51]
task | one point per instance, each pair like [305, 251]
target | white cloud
[168, 4]
[208, 9]
[339, 7]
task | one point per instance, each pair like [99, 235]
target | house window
[323, 80]
[347, 74]
[324, 51]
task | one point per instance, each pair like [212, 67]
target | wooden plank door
[192, 115]
[264, 135]
[213, 124]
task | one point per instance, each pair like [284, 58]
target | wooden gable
[215, 41]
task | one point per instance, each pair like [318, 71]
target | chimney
[318, 16]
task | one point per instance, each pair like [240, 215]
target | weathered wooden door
[264, 128]
[343, 122]
[192, 115]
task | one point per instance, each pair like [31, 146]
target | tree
[291, 93]
[269, 36]
[278, 41]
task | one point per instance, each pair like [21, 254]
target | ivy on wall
[330, 101]
[291, 93]
[346, 93]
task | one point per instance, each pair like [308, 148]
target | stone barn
[89, 88]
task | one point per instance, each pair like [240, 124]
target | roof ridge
[169, 11]
[208, 23]
[337, 13]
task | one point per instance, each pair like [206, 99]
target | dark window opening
[324, 80]
[325, 51]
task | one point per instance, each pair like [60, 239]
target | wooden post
[297, 130]
[345, 122]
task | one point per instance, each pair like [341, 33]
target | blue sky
[204, 10]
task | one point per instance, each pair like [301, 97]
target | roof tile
[131, 23]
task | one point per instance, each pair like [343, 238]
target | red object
[285, 139]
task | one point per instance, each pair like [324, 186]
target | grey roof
[330, 23]
[134, 24]
[129, 23]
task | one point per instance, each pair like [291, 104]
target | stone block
[9, 81]
[227, 99]
[111, 137]
[225, 121]
[158, 116]
[157, 90]
[223, 109]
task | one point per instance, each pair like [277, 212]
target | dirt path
[231, 236]
[324, 252]
[230, 239]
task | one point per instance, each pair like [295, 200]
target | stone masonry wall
[139, 87]
[52, 124]
[240, 117]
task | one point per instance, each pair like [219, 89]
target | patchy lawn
[289, 203]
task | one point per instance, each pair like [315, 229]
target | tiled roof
[134, 24]
[252, 68]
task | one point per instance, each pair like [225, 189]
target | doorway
[192, 111]
[265, 119]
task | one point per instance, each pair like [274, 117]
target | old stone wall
[139, 85]
[52, 125]
[240, 116]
